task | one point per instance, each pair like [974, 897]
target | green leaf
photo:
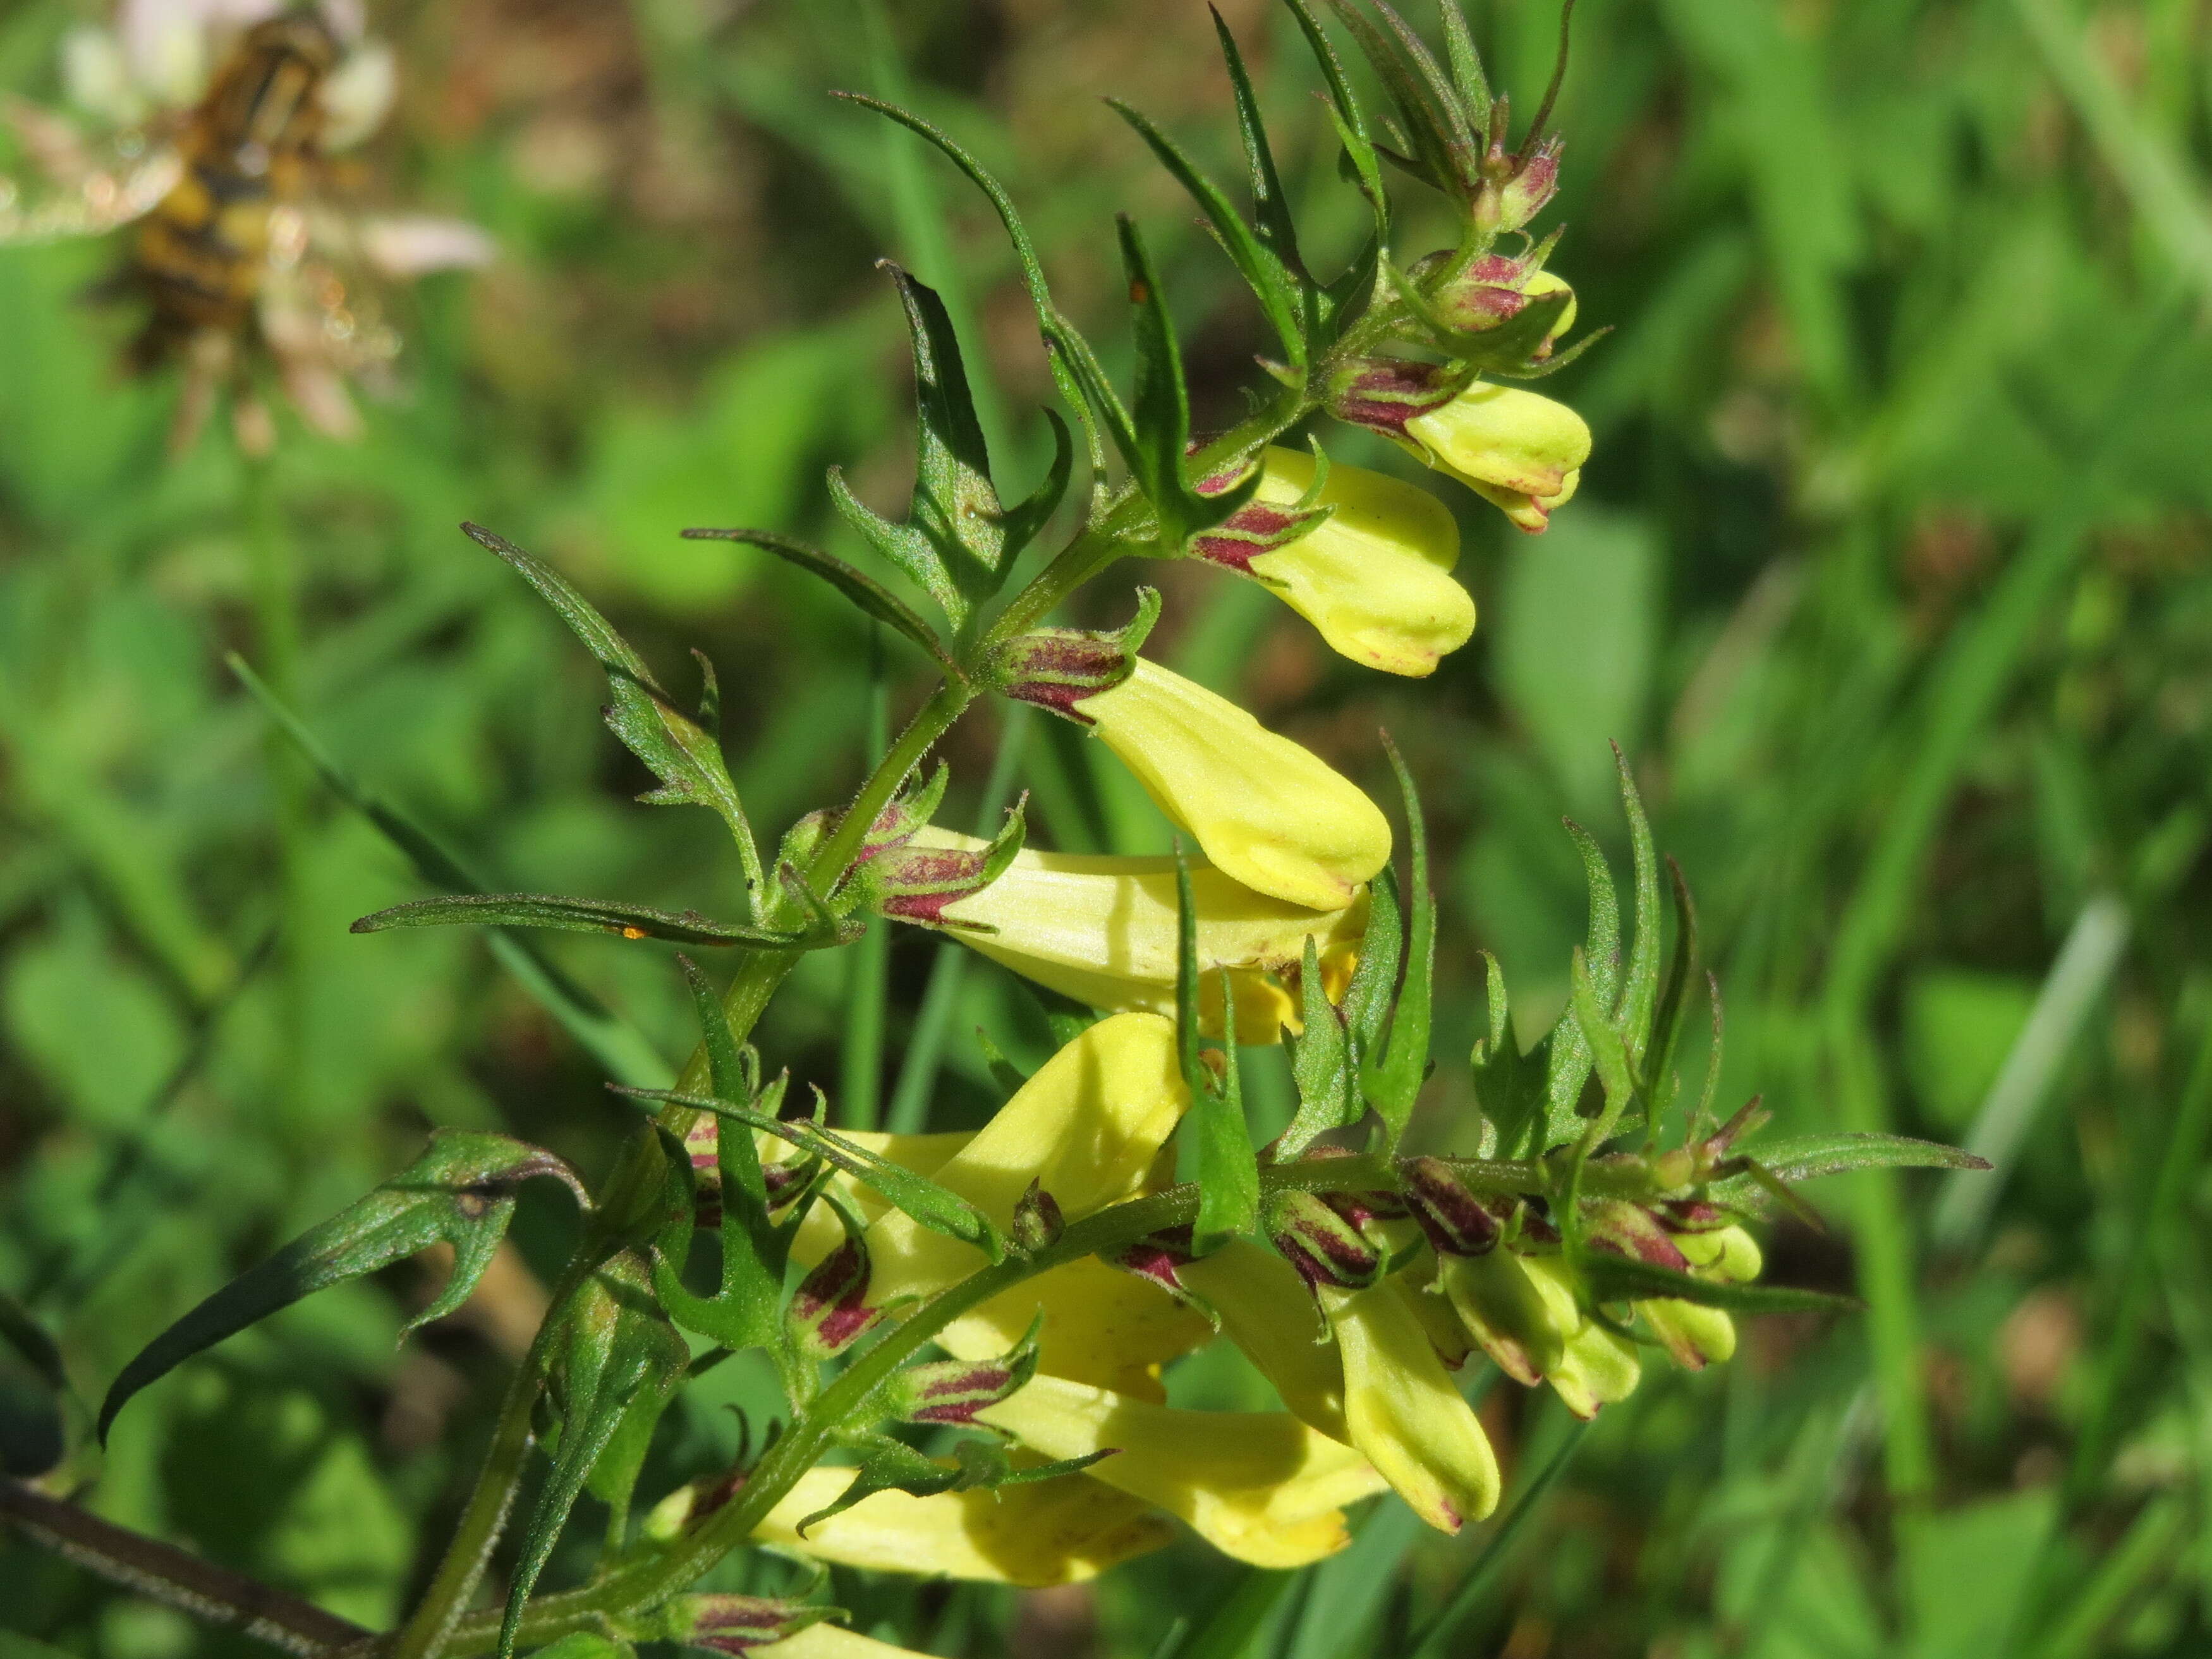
[683, 755]
[1321, 1065]
[1271, 208]
[577, 916]
[1658, 1056]
[747, 1310]
[625, 1051]
[1805, 1158]
[1228, 1169]
[461, 1192]
[862, 589]
[1375, 981]
[1567, 1061]
[1351, 124]
[954, 544]
[1639, 993]
[1074, 366]
[1155, 444]
[1444, 147]
[1391, 1074]
[933, 1206]
[1606, 1050]
[1272, 282]
[1509, 1086]
[619, 1362]
[1617, 1279]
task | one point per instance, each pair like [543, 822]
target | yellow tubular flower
[1085, 1128]
[1507, 1310]
[1267, 813]
[1267, 1311]
[831, 1642]
[1046, 1532]
[1597, 1367]
[1103, 931]
[1102, 1326]
[1521, 452]
[1374, 577]
[1695, 1335]
[1405, 1412]
[1258, 1486]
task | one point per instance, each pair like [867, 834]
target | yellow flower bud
[1086, 1128]
[1597, 1367]
[1267, 1311]
[1728, 1254]
[1542, 285]
[1375, 577]
[1260, 1486]
[1043, 1531]
[1520, 452]
[1693, 1334]
[1512, 1314]
[1266, 812]
[1103, 931]
[1404, 1412]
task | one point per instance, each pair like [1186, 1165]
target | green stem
[468, 1554]
[462, 1566]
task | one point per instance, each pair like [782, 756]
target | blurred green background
[1890, 575]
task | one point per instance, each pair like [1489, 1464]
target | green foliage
[1887, 577]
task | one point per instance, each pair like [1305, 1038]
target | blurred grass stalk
[274, 566]
[1976, 665]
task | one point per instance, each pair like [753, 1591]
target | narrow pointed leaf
[1803, 1157]
[620, 1361]
[932, 1205]
[862, 589]
[1074, 366]
[1639, 993]
[1617, 1279]
[1271, 208]
[576, 915]
[1360, 154]
[1375, 981]
[1392, 1075]
[1227, 1167]
[1264, 273]
[461, 1192]
[1160, 409]
[1321, 1066]
[685, 757]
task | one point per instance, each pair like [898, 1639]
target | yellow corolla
[1267, 1311]
[1695, 1335]
[1405, 1414]
[1521, 452]
[1266, 812]
[1085, 1128]
[1374, 577]
[1103, 931]
[1045, 1531]
[1260, 1486]
[831, 1642]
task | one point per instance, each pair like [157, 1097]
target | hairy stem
[214, 1595]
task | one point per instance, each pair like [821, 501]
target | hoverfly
[239, 251]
